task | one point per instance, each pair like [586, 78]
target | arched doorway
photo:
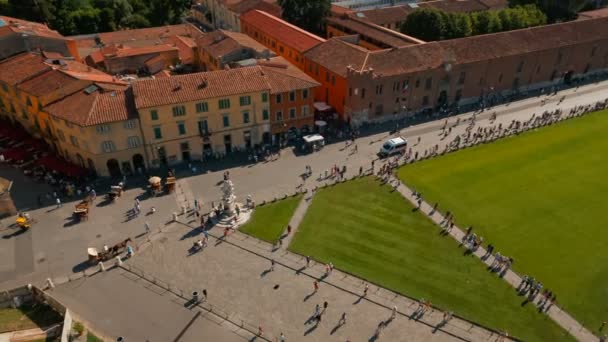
[568, 77]
[443, 98]
[80, 160]
[91, 166]
[113, 168]
[139, 163]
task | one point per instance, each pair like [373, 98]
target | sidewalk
[297, 217]
[118, 303]
[236, 275]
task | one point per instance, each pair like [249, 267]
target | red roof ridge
[321, 40]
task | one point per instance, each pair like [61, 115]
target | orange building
[291, 98]
[17, 36]
[283, 38]
[332, 72]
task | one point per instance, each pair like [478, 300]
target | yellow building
[207, 114]
[71, 107]
[17, 106]
[225, 14]
[98, 129]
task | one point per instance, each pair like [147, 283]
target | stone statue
[228, 198]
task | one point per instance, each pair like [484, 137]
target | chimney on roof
[177, 86]
[203, 84]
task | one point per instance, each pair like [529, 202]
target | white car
[393, 146]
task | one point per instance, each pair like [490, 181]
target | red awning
[61, 166]
[35, 144]
[16, 153]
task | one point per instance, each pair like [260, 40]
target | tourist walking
[59, 204]
[316, 286]
[394, 313]
[307, 261]
[342, 320]
[147, 227]
[271, 265]
[365, 290]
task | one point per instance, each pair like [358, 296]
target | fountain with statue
[233, 214]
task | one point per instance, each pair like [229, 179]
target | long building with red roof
[287, 40]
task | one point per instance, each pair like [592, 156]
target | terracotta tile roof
[220, 43]
[339, 10]
[95, 108]
[378, 33]
[48, 82]
[93, 76]
[162, 73]
[67, 77]
[112, 86]
[27, 27]
[268, 6]
[96, 57]
[52, 55]
[489, 46]
[284, 77]
[283, 31]
[188, 41]
[19, 68]
[155, 59]
[197, 86]
[335, 55]
[144, 50]
[138, 37]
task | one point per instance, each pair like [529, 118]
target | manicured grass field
[270, 221]
[365, 229]
[539, 198]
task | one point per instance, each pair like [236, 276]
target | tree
[86, 20]
[555, 10]
[135, 21]
[426, 24]
[309, 15]
[159, 12]
[462, 24]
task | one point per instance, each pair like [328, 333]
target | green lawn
[269, 221]
[92, 338]
[27, 317]
[367, 230]
[539, 198]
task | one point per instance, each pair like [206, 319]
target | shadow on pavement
[14, 234]
[81, 267]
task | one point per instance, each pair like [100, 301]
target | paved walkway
[297, 217]
[235, 273]
[119, 303]
[560, 316]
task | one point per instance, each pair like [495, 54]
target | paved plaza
[232, 271]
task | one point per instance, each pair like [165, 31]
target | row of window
[203, 107]
[203, 125]
[106, 146]
[291, 96]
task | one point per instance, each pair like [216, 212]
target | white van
[393, 146]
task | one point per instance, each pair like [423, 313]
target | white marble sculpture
[228, 198]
